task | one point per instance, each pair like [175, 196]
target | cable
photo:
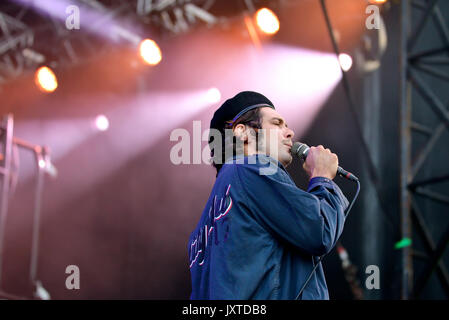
[321, 257]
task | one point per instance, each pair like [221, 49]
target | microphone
[301, 150]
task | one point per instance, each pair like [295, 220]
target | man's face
[278, 137]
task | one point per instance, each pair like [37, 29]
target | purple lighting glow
[91, 19]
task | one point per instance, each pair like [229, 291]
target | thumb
[305, 166]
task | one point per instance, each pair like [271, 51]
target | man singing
[259, 235]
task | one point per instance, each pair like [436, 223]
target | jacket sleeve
[311, 221]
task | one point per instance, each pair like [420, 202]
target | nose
[289, 133]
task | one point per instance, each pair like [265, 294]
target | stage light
[267, 21]
[42, 164]
[213, 95]
[150, 52]
[377, 1]
[46, 79]
[102, 123]
[345, 61]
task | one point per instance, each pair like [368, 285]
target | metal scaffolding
[8, 180]
[422, 62]
[31, 36]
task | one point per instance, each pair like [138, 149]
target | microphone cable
[322, 257]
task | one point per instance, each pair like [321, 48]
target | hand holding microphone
[320, 162]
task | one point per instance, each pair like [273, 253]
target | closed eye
[279, 122]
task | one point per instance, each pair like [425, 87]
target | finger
[335, 157]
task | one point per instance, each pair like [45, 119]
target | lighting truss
[29, 38]
[417, 194]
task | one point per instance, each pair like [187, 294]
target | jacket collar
[258, 158]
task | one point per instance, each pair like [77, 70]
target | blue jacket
[260, 236]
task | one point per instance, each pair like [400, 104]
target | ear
[241, 132]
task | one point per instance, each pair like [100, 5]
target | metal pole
[433, 180]
[405, 140]
[36, 217]
[7, 149]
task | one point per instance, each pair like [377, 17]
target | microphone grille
[299, 149]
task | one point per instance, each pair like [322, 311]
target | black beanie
[236, 106]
